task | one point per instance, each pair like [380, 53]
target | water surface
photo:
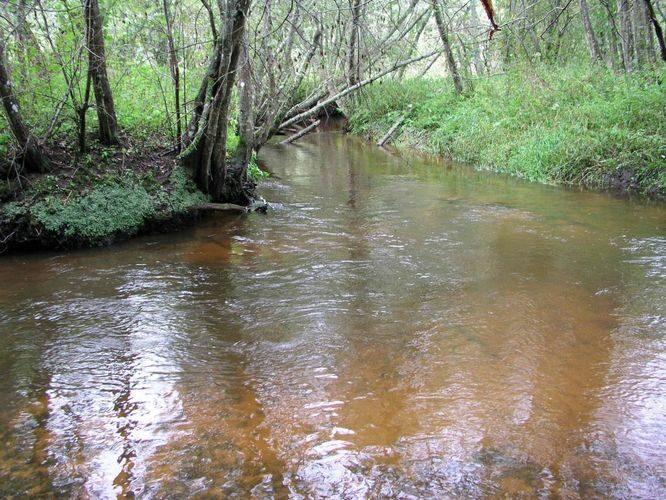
[394, 327]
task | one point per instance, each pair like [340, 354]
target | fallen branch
[221, 207]
[392, 130]
[259, 205]
[353, 88]
[301, 133]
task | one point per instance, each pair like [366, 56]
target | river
[394, 326]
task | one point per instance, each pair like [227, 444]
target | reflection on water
[393, 328]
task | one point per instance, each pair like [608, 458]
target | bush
[182, 194]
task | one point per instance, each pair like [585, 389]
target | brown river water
[394, 327]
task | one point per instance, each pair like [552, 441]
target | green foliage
[114, 206]
[5, 136]
[181, 195]
[254, 173]
[107, 210]
[142, 93]
[568, 125]
[232, 140]
[45, 185]
[13, 210]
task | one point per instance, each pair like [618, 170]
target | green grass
[569, 125]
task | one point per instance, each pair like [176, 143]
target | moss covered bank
[94, 205]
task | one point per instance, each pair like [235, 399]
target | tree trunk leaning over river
[206, 152]
[326, 101]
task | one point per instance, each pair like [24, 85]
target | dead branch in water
[301, 133]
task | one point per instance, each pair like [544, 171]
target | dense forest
[117, 115]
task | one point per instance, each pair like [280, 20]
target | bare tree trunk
[592, 44]
[32, 156]
[175, 72]
[106, 113]
[626, 34]
[444, 35]
[651, 55]
[301, 133]
[508, 51]
[353, 74]
[477, 60]
[639, 30]
[82, 111]
[657, 29]
[613, 54]
[207, 150]
[303, 106]
[22, 36]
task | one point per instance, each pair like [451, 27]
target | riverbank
[110, 194]
[571, 126]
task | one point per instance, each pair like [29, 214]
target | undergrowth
[115, 192]
[111, 208]
[565, 125]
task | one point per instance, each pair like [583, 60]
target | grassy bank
[572, 126]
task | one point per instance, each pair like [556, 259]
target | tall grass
[568, 125]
